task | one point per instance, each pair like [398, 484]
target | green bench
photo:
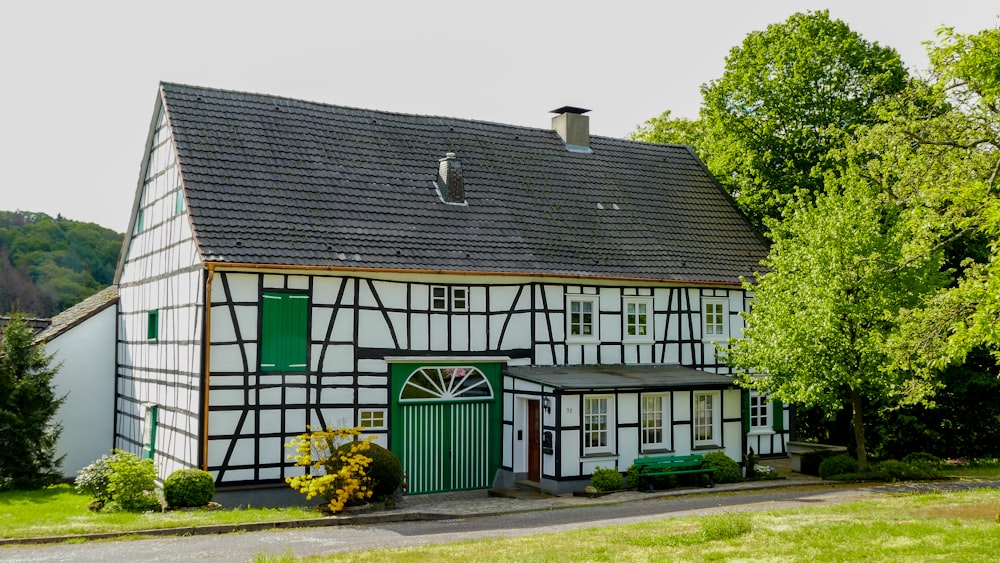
[671, 465]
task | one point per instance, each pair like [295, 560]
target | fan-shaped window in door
[450, 383]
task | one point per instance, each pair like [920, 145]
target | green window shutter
[296, 333]
[153, 324]
[779, 415]
[746, 411]
[284, 331]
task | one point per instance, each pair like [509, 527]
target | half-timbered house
[495, 303]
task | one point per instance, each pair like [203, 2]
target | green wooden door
[446, 427]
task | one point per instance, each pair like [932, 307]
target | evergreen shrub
[837, 465]
[726, 468]
[607, 479]
[189, 487]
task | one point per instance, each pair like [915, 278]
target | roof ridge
[402, 114]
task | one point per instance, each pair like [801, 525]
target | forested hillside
[48, 264]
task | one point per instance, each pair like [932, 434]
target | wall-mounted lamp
[547, 404]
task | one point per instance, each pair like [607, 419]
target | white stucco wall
[87, 378]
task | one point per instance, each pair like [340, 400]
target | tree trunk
[859, 429]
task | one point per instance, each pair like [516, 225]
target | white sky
[78, 79]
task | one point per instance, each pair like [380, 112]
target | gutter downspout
[207, 342]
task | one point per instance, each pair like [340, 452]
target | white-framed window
[654, 421]
[439, 298]
[459, 299]
[706, 418]
[372, 419]
[714, 313]
[582, 317]
[760, 413]
[598, 424]
[638, 314]
[444, 298]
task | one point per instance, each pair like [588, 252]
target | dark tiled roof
[272, 180]
[35, 324]
[580, 378]
[80, 312]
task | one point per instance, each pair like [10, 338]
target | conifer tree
[28, 404]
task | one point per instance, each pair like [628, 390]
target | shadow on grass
[38, 496]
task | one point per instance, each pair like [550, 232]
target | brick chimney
[449, 179]
[573, 127]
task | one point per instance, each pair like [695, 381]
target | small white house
[82, 341]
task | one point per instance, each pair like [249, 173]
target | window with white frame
[714, 314]
[444, 298]
[598, 415]
[439, 298]
[582, 317]
[706, 419]
[372, 419]
[638, 318]
[760, 413]
[654, 421]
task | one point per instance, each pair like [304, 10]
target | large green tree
[836, 282]
[28, 404]
[939, 157]
[789, 96]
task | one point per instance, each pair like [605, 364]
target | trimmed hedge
[189, 487]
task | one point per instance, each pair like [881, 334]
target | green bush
[132, 484]
[892, 470]
[607, 479]
[810, 461]
[923, 459]
[92, 480]
[189, 487]
[385, 473]
[726, 468]
[837, 465]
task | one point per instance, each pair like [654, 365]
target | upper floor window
[598, 415]
[582, 317]
[284, 332]
[153, 325]
[444, 298]
[638, 318]
[714, 314]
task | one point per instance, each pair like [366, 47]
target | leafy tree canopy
[837, 280]
[48, 265]
[856, 301]
[789, 96]
[940, 157]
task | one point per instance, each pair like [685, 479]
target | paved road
[327, 540]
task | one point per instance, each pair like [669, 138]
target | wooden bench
[653, 466]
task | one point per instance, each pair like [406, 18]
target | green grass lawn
[950, 527]
[60, 511]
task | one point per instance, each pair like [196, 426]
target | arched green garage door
[446, 425]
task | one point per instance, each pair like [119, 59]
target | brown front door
[534, 442]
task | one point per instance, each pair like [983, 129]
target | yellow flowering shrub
[336, 473]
